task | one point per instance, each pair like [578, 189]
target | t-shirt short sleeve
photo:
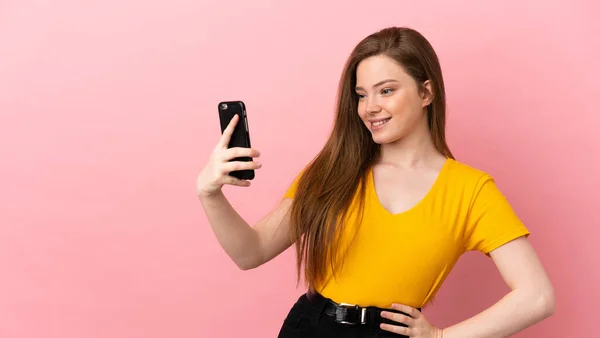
[492, 221]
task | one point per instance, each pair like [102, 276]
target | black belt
[351, 314]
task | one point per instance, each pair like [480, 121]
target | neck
[414, 150]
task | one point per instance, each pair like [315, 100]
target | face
[390, 102]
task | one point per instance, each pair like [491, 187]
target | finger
[226, 136]
[411, 311]
[398, 317]
[240, 165]
[236, 152]
[227, 179]
[396, 329]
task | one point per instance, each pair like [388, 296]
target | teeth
[379, 123]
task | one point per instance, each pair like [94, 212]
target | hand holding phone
[240, 137]
[231, 162]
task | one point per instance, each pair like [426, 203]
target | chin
[385, 138]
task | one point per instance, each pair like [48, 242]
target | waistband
[348, 314]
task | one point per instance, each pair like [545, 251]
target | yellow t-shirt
[404, 258]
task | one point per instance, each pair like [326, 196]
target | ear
[426, 93]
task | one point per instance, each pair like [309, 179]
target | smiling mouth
[378, 124]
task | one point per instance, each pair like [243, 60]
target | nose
[372, 106]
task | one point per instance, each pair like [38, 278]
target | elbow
[251, 256]
[546, 303]
[246, 266]
[550, 305]
[248, 263]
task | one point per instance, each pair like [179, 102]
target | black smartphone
[241, 133]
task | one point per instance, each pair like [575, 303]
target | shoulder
[460, 172]
[466, 180]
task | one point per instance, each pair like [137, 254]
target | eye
[360, 96]
[387, 91]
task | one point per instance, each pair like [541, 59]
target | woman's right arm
[249, 247]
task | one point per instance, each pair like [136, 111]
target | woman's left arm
[530, 300]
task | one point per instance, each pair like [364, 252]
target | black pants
[307, 318]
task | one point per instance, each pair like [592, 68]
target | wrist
[205, 196]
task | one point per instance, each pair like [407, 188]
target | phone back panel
[241, 134]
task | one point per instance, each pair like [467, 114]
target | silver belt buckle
[363, 314]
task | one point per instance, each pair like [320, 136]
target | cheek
[402, 106]
[362, 113]
[396, 105]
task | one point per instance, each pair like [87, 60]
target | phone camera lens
[223, 106]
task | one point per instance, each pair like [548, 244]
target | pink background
[108, 112]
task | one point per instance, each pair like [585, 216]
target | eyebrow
[378, 84]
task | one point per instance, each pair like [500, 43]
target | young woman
[384, 211]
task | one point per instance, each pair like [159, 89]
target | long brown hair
[328, 185]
